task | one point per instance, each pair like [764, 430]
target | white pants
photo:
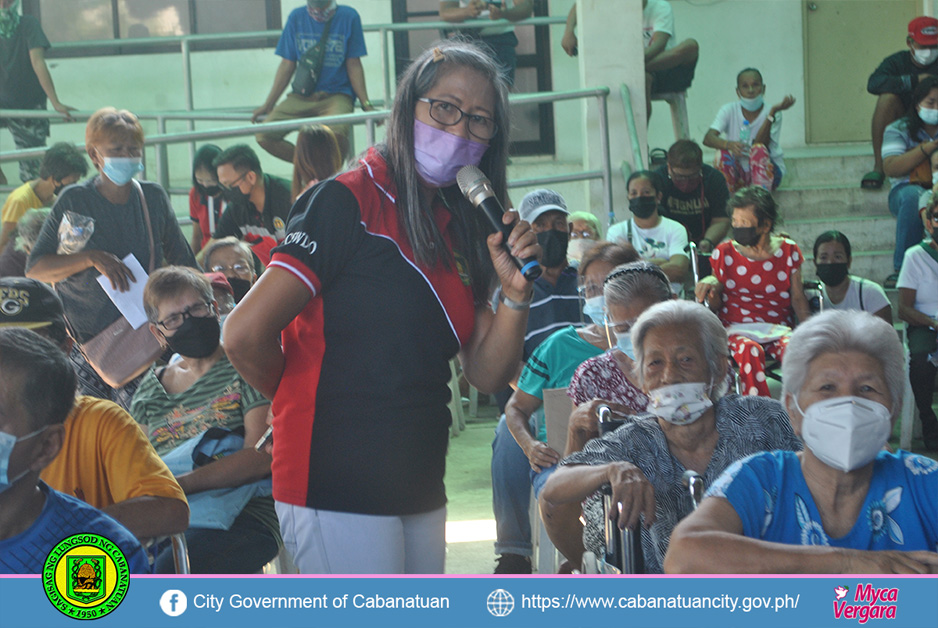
[325, 541]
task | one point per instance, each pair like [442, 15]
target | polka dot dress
[756, 292]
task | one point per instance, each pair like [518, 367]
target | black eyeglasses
[231, 185]
[448, 114]
[684, 177]
[175, 321]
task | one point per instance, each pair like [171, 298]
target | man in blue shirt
[341, 78]
[37, 391]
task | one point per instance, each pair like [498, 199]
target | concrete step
[866, 233]
[819, 202]
[820, 170]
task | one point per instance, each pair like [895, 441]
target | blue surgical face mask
[928, 116]
[752, 104]
[593, 308]
[624, 344]
[120, 170]
[7, 443]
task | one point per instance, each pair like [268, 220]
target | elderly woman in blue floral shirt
[844, 504]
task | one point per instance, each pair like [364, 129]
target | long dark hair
[203, 159]
[913, 123]
[416, 217]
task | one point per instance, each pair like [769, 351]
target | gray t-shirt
[118, 229]
[746, 425]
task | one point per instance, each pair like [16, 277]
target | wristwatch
[515, 305]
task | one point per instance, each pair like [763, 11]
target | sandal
[657, 157]
[891, 280]
[872, 180]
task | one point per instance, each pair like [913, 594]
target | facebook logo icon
[173, 602]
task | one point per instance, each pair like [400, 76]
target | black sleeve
[34, 36]
[717, 195]
[324, 231]
[228, 224]
[893, 76]
[175, 248]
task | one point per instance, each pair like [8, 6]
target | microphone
[476, 187]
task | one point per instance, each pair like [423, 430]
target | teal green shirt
[551, 366]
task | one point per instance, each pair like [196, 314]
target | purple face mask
[440, 155]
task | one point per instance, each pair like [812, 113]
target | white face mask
[680, 404]
[928, 116]
[576, 248]
[845, 433]
[925, 56]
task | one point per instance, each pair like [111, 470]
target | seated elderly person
[585, 232]
[197, 394]
[844, 504]
[105, 459]
[37, 395]
[680, 351]
[233, 258]
[611, 379]
[554, 361]
[756, 286]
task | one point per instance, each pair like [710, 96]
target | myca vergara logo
[86, 576]
[867, 603]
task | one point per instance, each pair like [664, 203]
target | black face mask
[208, 191]
[196, 337]
[240, 287]
[643, 206]
[57, 187]
[745, 236]
[832, 274]
[553, 247]
[234, 195]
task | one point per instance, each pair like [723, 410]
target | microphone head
[473, 184]
[689, 476]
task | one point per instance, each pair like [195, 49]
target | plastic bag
[74, 232]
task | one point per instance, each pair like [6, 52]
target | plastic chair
[678, 103]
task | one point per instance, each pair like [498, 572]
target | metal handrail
[370, 118]
[185, 43]
[630, 121]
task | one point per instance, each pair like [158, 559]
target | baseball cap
[924, 31]
[219, 280]
[539, 201]
[29, 303]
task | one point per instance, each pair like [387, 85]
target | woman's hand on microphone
[523, 244]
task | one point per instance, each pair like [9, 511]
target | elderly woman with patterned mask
[844, 504]
[690, 425]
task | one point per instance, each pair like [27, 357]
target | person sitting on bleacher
[105, 459]
[842, 505]
[233, 258]
[554, 361]
[694, 194]
[585, 232]
[756, 287]
[757, 161]
[690, 424]
[37, 395]
[194, 401]
[841, 290]
[918, 306]
[659, 240]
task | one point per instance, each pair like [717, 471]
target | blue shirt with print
[346, 41]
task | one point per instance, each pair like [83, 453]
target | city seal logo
[86, 576]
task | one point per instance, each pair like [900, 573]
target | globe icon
[500, 603]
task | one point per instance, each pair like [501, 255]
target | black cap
[29, 303]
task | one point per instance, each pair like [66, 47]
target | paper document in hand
[129, 303]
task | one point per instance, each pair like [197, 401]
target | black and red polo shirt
[360, 416]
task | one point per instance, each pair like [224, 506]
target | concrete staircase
[821, 191]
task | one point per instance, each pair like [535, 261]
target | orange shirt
[106, 458]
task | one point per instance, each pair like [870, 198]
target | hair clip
[438, 55]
